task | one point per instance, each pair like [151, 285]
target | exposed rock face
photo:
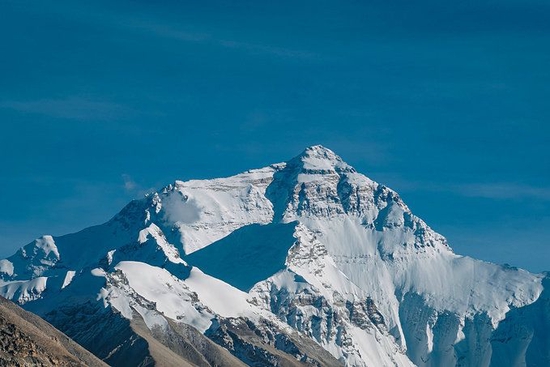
[265, 344]
[122, 341]
[27, 340]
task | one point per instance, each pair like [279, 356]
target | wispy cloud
[178, 32]
[129, 184]
[255, 48]
[502, 191]
[133, 188]
[175, 33]
[73, 108]
[495, 191]
[511, 239]
[162, 30]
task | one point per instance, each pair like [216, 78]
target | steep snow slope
[306, 261]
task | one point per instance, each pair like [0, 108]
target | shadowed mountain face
[27, 340]
[247, 256]
[306, 262]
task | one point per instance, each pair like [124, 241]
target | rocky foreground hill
[27, 340]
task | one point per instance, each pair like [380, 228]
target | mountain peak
[319, 159]
[319, 149]
[319, 152]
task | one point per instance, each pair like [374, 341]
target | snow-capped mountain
[306, 262]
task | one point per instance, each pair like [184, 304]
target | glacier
[306, 262]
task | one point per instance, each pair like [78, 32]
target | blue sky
[447, 103]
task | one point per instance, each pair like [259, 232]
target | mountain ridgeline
[302, 263]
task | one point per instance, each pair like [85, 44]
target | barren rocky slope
[27, 340]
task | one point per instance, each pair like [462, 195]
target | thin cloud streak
[503, 191]
[267, 49]
[72, 108]
[174, 32]
[101, 19]
[170, 32]
[495, 191]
